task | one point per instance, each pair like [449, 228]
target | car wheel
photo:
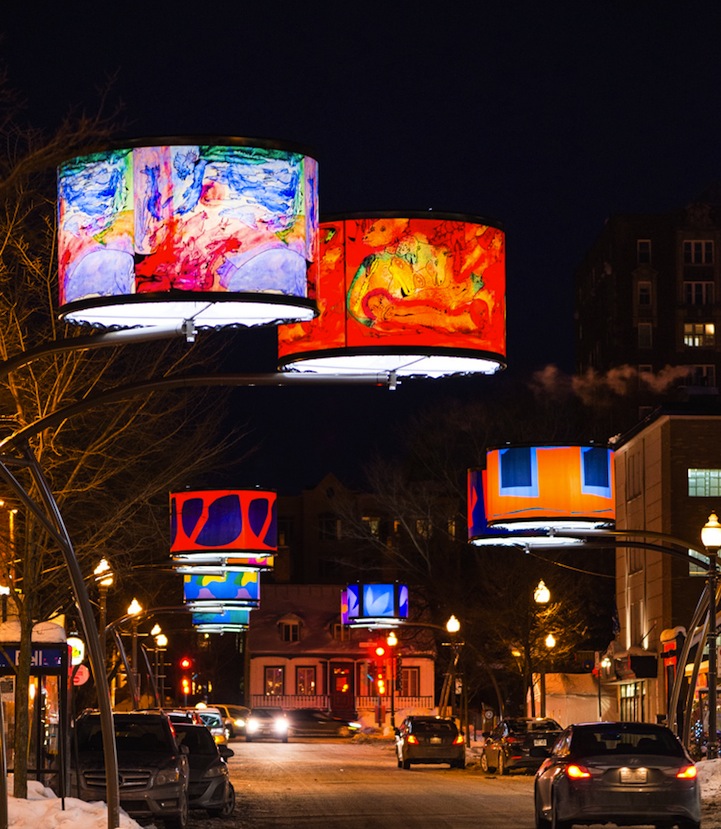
[502, 767]
[179, 821]
[285, 739]
[228, 807]
[344, 731]
[248, 738]
[404, 763]
[485, 765]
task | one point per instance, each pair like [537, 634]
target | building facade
[668, 481]
[648, 298]
[299, 655]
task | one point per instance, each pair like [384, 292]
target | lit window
[698, 564]
[698, 252]
[704, 483]
[274, 681]
[645, 335]
[699, 334]
[643, 251]
[372, 525]
[423, 528]
[698, 293]
[305, 680]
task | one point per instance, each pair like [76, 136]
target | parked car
[617, 772]
[234, 716]
[268, 723]
[209, 786]
[519, 743]
[213, 720]
[314, 722]
[427, 739]
[154, 770]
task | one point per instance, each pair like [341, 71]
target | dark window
[643, 251]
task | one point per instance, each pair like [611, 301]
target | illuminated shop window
[305, 680]
[698, 252]
[704, 483]
[519, 471]
[274, 681]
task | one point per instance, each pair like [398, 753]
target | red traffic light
[185, 663]
[380, 651]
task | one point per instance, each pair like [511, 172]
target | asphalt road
[339, 784]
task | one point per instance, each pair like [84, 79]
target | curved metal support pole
[129, 672]
[51, 520]
[681, 661]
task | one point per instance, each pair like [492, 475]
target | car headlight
[215, 771]
[239, 722]
[281, 726]
[252, 725]
[165, 776]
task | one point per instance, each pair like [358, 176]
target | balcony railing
[323, 701]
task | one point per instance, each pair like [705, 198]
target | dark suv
[519, 743]
[153, 769]
[427, 739]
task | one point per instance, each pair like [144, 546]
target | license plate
[633, 775]
[436, 740]
[539, 742]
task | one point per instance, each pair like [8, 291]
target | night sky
[547, 117]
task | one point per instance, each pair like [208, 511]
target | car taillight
[412, 740]
[687, 773]
[458, 741]
[576, 772]
[513, 740]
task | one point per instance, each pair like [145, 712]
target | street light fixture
[541, 595]
[711, 540]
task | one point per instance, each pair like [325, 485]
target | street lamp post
[134, 609]
[392, 641]
[104, 578]
[550, 642]
[541, 596]
[711, 539]
[161, 643]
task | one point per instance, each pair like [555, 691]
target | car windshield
[197, 738]
[628, 739]
[435, 726]
[522, 726]
[141, 735]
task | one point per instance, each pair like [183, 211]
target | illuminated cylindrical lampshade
[239, 587]
[225, 621]
[232, 525]
[365, 604]
[529, 488]
[219, 232]
[418, 294]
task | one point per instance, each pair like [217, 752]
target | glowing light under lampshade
[232, 525]
[528, 489]
[238, 587]
[418, 294]
[218, 232]
[223, 621]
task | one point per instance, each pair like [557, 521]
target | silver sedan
[620, 772]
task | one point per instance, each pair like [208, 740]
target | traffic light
[381, 682]
[185, 663]
[380, 651]
[185, 686]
